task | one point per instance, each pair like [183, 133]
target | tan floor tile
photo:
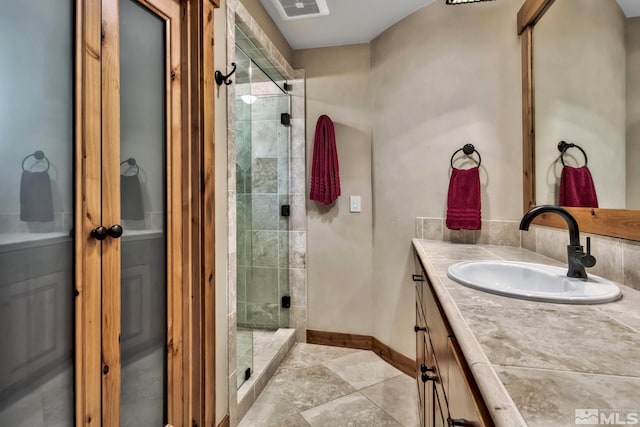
[308, 387]
[296, 420]
[362, 369]
[303, 355]
[353, 410]
[270, 409]
[398, 396]
[315, 387]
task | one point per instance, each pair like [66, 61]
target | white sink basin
[535, 282]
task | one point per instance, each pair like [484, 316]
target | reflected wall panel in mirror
[580, 74]
[582, 89]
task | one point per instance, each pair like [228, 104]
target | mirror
[587, 47]
[584, 94]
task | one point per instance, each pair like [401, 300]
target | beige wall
[579, 70]
[269, 27]
[633, 112]
[221, 221]
[339, 243]
[442, 77]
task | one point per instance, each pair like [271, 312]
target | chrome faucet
[576, 257]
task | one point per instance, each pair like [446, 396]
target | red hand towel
[576, 188]
[463, 200]
[325, 171]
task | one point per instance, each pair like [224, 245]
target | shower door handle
[115, 231]
[99, 233]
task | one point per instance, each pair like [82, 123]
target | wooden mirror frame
[621, 223]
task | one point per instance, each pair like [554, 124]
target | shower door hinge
[287, 87]
[285, 210]
[286, 301]
[285, 119]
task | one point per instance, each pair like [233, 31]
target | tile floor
[332, 387]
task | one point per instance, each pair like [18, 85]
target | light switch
[355, 205]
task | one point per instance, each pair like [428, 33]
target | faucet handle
[588, 260]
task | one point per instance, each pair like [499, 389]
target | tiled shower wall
[262, 186]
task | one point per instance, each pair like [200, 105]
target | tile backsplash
[617, 259]
[501, 233]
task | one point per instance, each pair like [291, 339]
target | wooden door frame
[191, 341]
[87, 212]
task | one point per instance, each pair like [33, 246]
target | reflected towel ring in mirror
[468, 149]
[38, 155]
[563, 146]
[131, 162]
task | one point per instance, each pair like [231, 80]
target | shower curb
[281, 342]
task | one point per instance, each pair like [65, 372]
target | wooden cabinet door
[463, 397]
[420, 360]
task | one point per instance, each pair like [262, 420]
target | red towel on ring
[576, 188]
[463, 200]
[325, 172]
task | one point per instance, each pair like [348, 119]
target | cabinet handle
[417, 328]
[417, 277]
[453, 422]
[115, 231]
[426, 377]
[99, 233]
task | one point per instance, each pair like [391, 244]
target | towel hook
[563, 146]
[221, 78]
[38, 155]
[468, 149]
[131, 162]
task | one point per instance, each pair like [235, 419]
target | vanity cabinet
[448, 394]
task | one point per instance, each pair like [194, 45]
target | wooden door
[130, 199]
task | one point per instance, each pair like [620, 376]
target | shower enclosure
[263, 136]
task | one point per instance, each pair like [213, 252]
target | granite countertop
[538, 363]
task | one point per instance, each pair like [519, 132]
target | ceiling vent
[297, 9]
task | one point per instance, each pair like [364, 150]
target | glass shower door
[263, 136]
[36, 213]
[267, 220]
[244, 99]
